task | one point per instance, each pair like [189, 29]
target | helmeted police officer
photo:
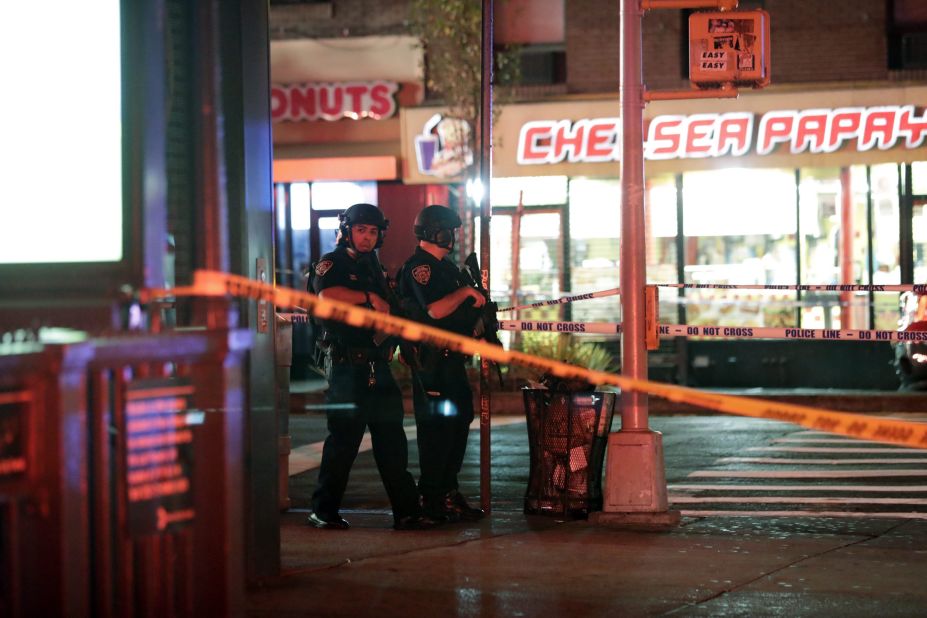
[436, 290]
[359, 376]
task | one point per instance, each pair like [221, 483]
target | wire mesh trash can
[567, 435]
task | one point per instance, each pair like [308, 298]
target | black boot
[454, 501]
[439, 511]
[415, 522]
[335, 522]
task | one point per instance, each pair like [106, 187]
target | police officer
[362, 392]
[435, 290]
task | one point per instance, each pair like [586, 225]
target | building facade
[820, 178]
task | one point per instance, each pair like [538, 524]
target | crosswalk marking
[823, 441]
[805, 474]
[819, 462]
[803, 457]
[834, 449]
[840, 514]
[680, 499]
[747, 487]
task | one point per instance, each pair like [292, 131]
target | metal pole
[906, 220]
[635, 489]
[633, 266]
[870, 258]
[846, 247]
[213, 252]
[486, 60]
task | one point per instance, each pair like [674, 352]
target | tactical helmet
[366, 214]
[436, 224]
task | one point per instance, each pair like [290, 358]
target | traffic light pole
[635, 491]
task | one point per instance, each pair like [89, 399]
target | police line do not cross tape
[734, 332]
[212, 283]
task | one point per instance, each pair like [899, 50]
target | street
[715, 466]
[777, 557]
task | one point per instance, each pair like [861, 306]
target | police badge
[422, 274]
[323, 267]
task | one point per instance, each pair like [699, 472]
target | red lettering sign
[568, 142]
[700, 135]
[878, 128]
[844, 125]
[775, 128]
[534, 142]
[810, 131]
[332, 102]
[548, 141]
[735, 132]
[913, 130]
[665, 137]
[715, 135]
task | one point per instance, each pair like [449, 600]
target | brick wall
[819, 40]
[339, 18]
[592, 45]
[812, 40]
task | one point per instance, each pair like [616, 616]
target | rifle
[406, 349]
[487, 325]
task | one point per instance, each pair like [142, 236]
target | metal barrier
[130, 503]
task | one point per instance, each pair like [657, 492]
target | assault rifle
[406, 349]
[487, 325]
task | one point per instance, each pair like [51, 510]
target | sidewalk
[308, 395]
[511, 564]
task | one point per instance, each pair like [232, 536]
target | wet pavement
[512, 564]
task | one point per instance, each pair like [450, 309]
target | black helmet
[436, 224]
[366, 214]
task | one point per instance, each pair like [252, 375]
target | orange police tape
[210, 283]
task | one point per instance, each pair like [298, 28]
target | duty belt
[448, 354]
[358, 356]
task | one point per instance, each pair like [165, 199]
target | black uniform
[358, 374]
[443, 398]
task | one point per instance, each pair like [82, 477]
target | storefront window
[500, 234]
[660, 215]
[540, 242]
[300, 216]
[740, 228]
[540, 260]
[300, 200]
[919, 220]
[919, 178]
[919, 225]
[885, 246]
[595, 226]
[822, 230]
[340, 195]
[532, 190]
[328, 234]
[539, 265]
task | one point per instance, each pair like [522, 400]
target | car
[911, 355]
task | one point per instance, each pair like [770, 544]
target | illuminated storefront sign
[333, 101]
[815, 131]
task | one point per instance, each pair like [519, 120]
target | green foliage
[565, 348]
[451, 33]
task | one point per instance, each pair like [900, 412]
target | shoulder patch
[422, 274]
[323, 267]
